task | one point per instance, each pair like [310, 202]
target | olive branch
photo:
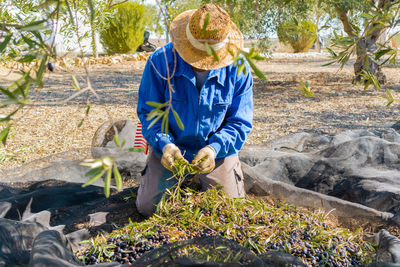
[181, 170]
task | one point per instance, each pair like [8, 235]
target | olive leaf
[4, 134]
[4, 44]
[155, 104]
[210, 50]
[99, 167]
[178, 119]
[75, 85]
[305, 89]
[389, 97]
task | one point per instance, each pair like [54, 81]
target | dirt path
[280, 108]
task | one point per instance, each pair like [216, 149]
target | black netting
[202, 251]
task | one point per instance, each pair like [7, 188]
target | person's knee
[145, 208]
[228, 176]
[234, 191]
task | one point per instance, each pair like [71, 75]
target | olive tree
[376, 18]
[366, 29]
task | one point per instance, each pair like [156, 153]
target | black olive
[50, 66]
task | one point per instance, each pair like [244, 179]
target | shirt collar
[184, 69]
[220, 74]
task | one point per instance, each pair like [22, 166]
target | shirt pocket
[219, 109]
[180, 105]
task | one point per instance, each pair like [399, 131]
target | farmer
[213, 100]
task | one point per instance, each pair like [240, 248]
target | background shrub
[263, 45]
[300, 35]
[123, 30]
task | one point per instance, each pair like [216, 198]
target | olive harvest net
[202, 251]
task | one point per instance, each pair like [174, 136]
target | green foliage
[176, 7]
[370, 79]
[90, 12]
[106, 166]
[262, 45]
[161, 110]
[153, 20]
[389, 97]
[255, 224]
[86, 115]
[182, 168]
[123, 30]
[17, 154]
[4, 134]
[300, 35]
[98, 249]
[372, 54]
[305, 89]
[257, 19]
[135, 149]
[23, 32]
[100, 167]
[239, 62]
[185, 213]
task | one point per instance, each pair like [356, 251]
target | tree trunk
[366, 46]
[317, 19]
[94, 44]
[318, 43]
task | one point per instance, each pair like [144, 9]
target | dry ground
[280, 109]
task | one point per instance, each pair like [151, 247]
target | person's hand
[204, 161]
[170, 153]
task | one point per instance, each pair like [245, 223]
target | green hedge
[300, 35]
[123, 30]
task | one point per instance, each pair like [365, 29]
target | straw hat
[221, 34]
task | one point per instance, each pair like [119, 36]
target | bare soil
[280, 109]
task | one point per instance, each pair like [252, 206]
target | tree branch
[342, 14]
[116, 4]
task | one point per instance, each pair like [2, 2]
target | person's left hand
[204, 161]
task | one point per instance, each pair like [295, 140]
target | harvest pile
[255, 224]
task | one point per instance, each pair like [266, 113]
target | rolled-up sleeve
[152, 88]
[237, 125]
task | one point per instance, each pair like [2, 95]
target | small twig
[63, 101]
[173, 72]
[38, 91]
[163, 13]
[88, 80]
[326, 215]
[169, 76]
[56, 29]
[116, 4]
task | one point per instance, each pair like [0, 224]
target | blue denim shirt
[220, 115]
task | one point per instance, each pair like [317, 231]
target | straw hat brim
[197, 58]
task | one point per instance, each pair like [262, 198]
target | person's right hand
[170, 153]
